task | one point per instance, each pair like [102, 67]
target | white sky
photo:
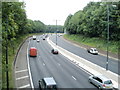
[48, 11]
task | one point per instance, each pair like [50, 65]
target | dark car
[47, 83]
[54, 51]
[43, 38]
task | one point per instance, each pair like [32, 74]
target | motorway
[96, 59]
[46, 64]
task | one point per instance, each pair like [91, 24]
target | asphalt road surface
[46, 64]
[96, 59]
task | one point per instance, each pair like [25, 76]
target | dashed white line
[22, 77]
[21, 71]
[25, 86]
[74, 78]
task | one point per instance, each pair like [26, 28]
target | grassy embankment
[11, 56]
[94, 42]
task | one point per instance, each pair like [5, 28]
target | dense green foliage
[92, 21]
[35, 26]
[14, 24]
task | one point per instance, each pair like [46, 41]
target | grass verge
[94, 42]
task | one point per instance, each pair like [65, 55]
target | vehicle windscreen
[108, 82]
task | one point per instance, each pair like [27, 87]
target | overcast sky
[48, 11]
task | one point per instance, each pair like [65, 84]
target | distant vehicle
[92, 51]
[101, 82]
[34, 37]
[38, 40]
[54, 51]
[47, 83]
[60, 35]
[33, 52]
[43, 38]
[46, 36]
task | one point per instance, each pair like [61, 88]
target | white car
[101, 82]
[92, 51]
[34, 37]
[38, 40]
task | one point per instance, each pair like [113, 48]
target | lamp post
[107, 36]
[108, 14]
[7, 73]
[56, 32]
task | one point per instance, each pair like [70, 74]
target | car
[47, 83]
[38, 40]
[54, 51]
[101, 81]
[43, 38]
[33, 52]
[34, 37]
[93, 51]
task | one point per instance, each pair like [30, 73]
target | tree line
[54, 28]
[92, 21]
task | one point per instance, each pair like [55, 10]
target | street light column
[56, 32]
[107, 36]
[7, 73]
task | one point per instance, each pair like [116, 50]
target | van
[33, 51]
[47, 83]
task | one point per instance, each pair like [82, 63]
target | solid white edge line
[22, 77]
[29, 69]
[21, 71]
[24, 86]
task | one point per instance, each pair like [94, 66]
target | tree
[92, 21]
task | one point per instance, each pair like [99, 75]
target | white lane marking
[31, 82]
[28, 85]
[22, 77]
[21, 71]
[43, 64]
[74, 78]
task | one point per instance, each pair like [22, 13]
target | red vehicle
[33, 51]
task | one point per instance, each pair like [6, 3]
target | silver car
[101, 81]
